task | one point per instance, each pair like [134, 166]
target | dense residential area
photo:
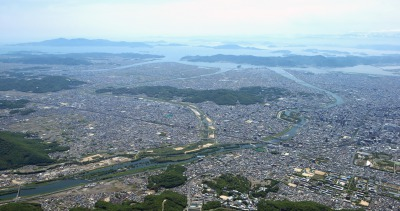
[253, 137]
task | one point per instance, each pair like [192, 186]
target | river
[337, 99]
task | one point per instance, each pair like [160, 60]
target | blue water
[47, 188]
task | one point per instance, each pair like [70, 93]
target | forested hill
[16, 150]
[244, 95]
[38, 85]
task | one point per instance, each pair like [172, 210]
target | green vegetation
[7, 191]
[352, 209]
[80, 209]
[211, 205]
[12, 104]
[160, 155]
[21, 207]
[295, 206]
[226, 183]
[174, 158]
[288, 205]
[274, 152]
[102, 205]
[259, 149]
[245, 95]
[172, 202]
[299, 60]
[290, 116]
[279, 135]
[112, 173]
[309, 95]
[262, 191]
[381, 155]
[169, 153]
[171, 177]
[17, 151]
[42, 85]
[22, 111]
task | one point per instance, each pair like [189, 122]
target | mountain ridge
[84, 42]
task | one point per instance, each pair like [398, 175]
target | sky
[35, 20]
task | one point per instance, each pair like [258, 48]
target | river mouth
[337, 100]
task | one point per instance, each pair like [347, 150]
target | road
[163, 204]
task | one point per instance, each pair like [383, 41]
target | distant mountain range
[86, 42]
[382, 34]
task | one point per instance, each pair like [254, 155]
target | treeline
[211, 205]
[17, 151]
[245, 95]
[41, 85]
[22, 112]
[13, 104]
[226, 183]
[177, 202]
[22, 206]
[172, 202]
[299, 60]
[298, 206]
[170, 178]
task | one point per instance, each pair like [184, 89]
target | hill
[244, 95]
[170, 200]
[60, 42]
[38, 85]
[298, 206]
[16, 150]
[12, 104]
[170, 178]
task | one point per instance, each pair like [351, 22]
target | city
[338, 148]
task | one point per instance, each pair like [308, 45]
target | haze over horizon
[25, 21]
